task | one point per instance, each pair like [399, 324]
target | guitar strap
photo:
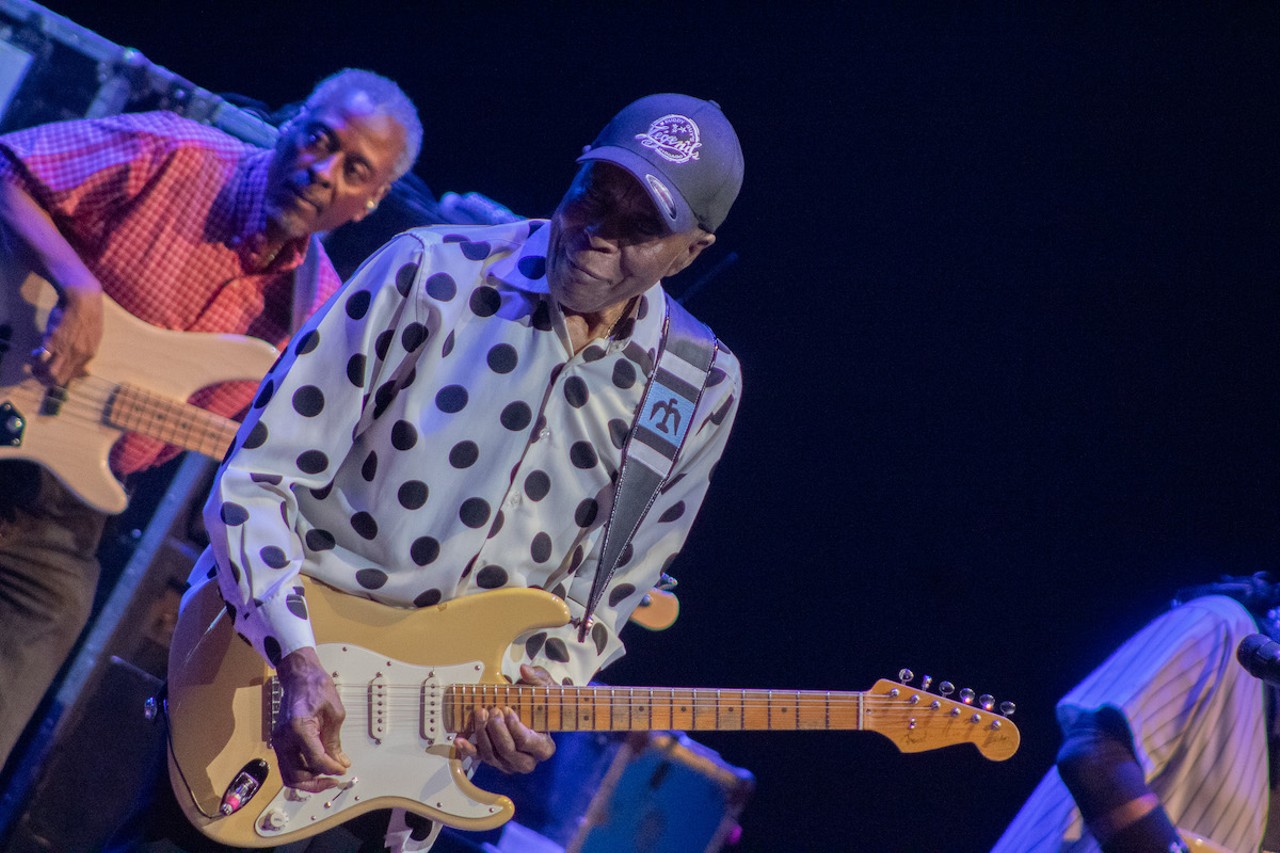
[662, 423]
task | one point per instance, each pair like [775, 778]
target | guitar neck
[179, 424]
[569, 709]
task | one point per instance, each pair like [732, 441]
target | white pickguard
[391, 756]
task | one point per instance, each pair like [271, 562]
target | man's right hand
[307, 737]
[72, 334]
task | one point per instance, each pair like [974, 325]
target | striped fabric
[1198, 721]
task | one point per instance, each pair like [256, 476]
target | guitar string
[88, 400]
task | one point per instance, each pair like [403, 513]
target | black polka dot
[583, 455]
[599, 637]
[355, 370]
[358, 304]
[623, 330]
[269, 479]
[448, 346]
[533, 645]
[578, 556]
[257, 436]
[428, 598]
[715, 377]
[404, 435]
[382, 343]
[414, 336]
[312, 462]
[498, 521]
[297, 605]
[575, 391]
[369, 469]
[541, 319]
[308, 401]
[485, 301]
[382, 397]
[595, 352]
[309, 340]
[371, 578]
[322, 492]
[673, 512]
[671, 484]
[491, 577]
[643, 310]
[233, 514]
[474, 512]
[516, 416]
[364, 524]
[412, 494]
[620, 593]
[624, 373]
[442, 287]
[532, 266]
[537, 485]
[464, 454]
[264, 394]
[274, 557]
[404, 278]
[540, 548]
[502, 358]
[424, 550]
[271, 646]
[718, 416]
[451, 399]
[320, 540]
[586, 512]
[627, 553]
[618, 430]
[557, 651]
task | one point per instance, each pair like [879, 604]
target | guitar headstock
[917, 720]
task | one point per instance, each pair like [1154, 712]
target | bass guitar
[409, 680]
[137, 382]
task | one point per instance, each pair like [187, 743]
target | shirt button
[544, 435]
[515, 500]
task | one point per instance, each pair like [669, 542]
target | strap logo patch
[668, 415]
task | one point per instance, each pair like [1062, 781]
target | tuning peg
[1007, 708]
[926, 682]
[966, 696]
[905, 676]
[946, 688]
[987, 701]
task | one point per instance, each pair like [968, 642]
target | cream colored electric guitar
[409, 680]
[138, 381]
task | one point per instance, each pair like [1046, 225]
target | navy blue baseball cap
[683, 151]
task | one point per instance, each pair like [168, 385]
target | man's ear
[372, 203]
[699, 241]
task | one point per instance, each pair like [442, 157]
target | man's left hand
[496, 736]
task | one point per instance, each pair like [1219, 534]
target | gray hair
[387, 98]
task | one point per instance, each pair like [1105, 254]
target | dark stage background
[1006, 299]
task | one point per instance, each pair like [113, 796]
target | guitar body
[73, 440]
[394, 765]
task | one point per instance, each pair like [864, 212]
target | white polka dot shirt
[430, 434]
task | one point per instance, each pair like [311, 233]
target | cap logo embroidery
[674, 137]
[668, 201]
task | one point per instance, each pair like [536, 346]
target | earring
[370, 205]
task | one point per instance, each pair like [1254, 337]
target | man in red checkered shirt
[186, 228]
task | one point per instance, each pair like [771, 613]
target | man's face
[329, 163]
[608, 243]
